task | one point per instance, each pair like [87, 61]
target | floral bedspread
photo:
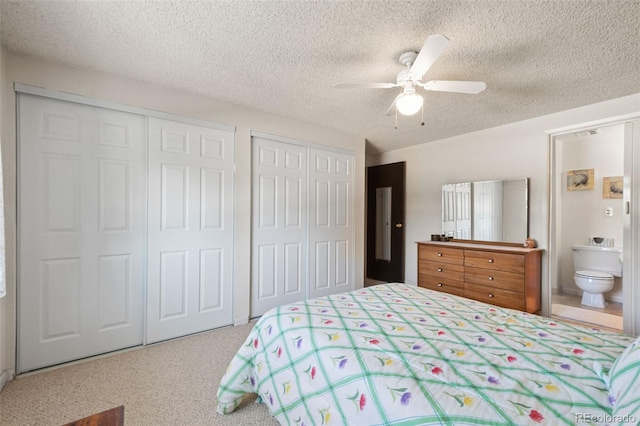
[404, 355]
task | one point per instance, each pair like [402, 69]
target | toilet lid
[595, 275]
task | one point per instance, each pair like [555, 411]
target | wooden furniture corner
[112, 417]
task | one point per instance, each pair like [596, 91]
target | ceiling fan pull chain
[395, 126]
[422, 112]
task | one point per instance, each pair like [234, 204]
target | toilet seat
[594, 275]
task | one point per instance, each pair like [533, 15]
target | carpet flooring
[171, 383]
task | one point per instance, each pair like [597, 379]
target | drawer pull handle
[439, 269]
[490, 278]
[439, 284]
[440, 254]
[490, 295]
[490, 260]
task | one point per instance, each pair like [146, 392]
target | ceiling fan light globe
[409, 104]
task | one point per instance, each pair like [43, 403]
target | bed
[404, 355]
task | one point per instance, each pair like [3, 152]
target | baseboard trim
[617, 299]
[240, 321]
[5, 377]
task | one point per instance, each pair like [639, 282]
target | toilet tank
[594, 258]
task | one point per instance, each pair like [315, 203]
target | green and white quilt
[404, 355]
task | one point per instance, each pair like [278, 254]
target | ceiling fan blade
[364, 85]
[432, 48]
[470, 87]
[392, 107]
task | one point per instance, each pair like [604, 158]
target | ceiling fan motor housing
[407, 59]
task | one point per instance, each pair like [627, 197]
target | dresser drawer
[506, 275]
[495, 296]
[441, 254]
[441, 284]
[499, 279]
[439, 269]
[494, 261]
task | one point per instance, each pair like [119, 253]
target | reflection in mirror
[383, 223]
[487, 211]
[456, 210]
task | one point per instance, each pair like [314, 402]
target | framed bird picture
[580, 180]
[612, 187]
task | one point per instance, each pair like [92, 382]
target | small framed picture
[580, 180]
[612, 187]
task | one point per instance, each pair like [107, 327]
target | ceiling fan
[408, 102]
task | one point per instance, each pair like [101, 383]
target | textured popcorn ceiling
[537, 57]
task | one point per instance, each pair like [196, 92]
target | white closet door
[331, 228]
[449, 209]
[463, 210]
[279, 224]
[81, 231]
[190, 250]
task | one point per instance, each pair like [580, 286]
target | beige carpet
[172, 383]
[587, 315]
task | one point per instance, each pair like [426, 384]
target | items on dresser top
[501, 274]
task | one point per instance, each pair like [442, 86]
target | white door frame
[631, 232]
[63, 96]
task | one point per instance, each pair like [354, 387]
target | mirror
[383, 223]
[496, 210]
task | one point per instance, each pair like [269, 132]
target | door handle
[398, 225]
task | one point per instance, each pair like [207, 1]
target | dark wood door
[385, 222]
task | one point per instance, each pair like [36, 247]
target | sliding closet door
[279, 224]
[81, 207]
[190, 250]
[331, 228]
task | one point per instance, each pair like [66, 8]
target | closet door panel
[212, 279]
[331, 231]
[293, 258]
[190, 235]
[174, 188]
[279, 224]
[81, 230]
[114, 291]
[212, 199]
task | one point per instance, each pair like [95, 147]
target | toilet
[595, 268]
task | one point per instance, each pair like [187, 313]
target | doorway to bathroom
[589, 216]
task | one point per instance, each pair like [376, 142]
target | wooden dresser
[503, 275]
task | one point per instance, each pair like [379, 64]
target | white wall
[122, 91]
[582, 212]
[511, 151]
